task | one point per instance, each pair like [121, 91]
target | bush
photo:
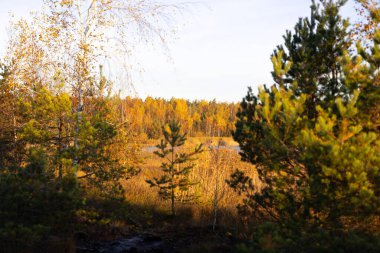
[272, 238]
[35, 205]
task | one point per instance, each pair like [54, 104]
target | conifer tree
[178, 165]
[314, 49]
[362, 72]
[315, 147]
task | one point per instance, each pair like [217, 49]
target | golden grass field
[213, 167]
[197, 140]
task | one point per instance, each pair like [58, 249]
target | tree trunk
[78, 121]
[172, 184]
[60, 148]
[173, 199]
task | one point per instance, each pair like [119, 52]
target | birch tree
[76, 43]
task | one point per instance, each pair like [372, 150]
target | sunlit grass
[210, 173]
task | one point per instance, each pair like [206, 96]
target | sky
[222, 47]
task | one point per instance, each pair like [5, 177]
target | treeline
[198, 118]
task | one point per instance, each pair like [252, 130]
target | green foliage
[313, 137]
[177, 165]
[310, 56]
[35, 204]
[271, 238]
[362, 73]
[99, 169]
[101, 150]
[41, 185]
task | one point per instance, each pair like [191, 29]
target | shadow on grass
[190, 231]
[106, 220]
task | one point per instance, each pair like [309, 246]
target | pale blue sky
[223, 47]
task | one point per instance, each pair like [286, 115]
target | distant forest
[198, 118]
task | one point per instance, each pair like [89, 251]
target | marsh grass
[214, 197]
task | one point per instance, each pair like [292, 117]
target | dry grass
[196, 140]
[212, 169]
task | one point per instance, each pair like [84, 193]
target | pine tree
[362, 72]
[178, 166]
[314, 49]
[315, 147]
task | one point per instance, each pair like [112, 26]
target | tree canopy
[313, 135]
